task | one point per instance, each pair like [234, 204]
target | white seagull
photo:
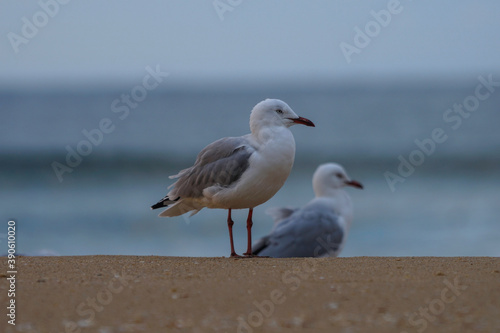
[239, 172]
[319, 229]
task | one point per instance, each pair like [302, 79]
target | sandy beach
[109, 294]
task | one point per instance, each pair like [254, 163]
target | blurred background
[102, 101]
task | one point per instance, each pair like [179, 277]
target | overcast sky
[95, 40]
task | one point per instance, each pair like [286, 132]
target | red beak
[303, 121]
[354, 183]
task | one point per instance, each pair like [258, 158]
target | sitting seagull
[239, 172]
[319, 229]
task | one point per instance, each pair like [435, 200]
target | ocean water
[449, 205]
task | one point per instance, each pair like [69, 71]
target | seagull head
[331, 176]
[274, 112]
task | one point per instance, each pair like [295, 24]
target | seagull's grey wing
[221, 163]
[312, 231]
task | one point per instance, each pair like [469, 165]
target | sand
[109, 294]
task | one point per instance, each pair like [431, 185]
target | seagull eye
[279, 111]
[338, 175]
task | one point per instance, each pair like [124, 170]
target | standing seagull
[319, 229]
[239, 172]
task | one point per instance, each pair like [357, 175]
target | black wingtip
[160, 204]
[163, 202]
[157, 205]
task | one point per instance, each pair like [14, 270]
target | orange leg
[249, 233]
[230, 227]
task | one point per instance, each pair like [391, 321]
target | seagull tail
[260, 245]
[280, 213]
[179, 208]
